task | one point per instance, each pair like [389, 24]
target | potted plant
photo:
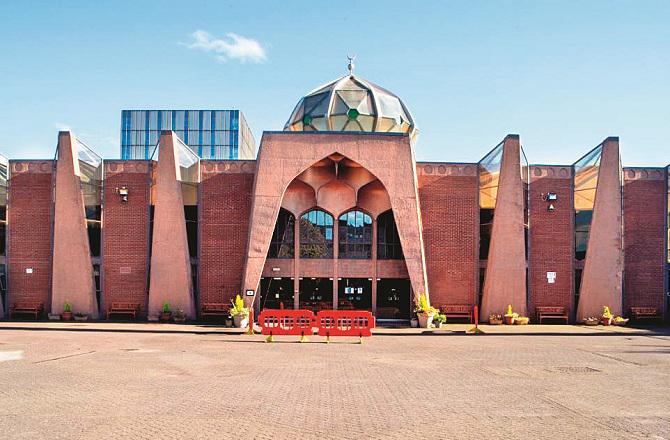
[591, 321]
[54, 317]
[414, 323]
[80, 316]
[179, 316]
[166, 316]
[606, 318]
[67, 312]
[521, 320]
[495, 319]
[618, 320]
[425, 312]
[240, 313]
[510, 316]
[439, 319]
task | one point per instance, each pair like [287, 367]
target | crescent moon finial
[351, 66]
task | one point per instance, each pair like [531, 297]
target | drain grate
[573, 370]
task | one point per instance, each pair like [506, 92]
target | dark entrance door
[316, 294]
[354, 294]
[393, 298]
[276, 292]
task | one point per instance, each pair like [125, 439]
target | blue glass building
[211, 134]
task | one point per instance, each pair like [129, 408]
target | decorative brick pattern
[644, 231]
[225, 203]
[551, 241]
[30, 219]
[448, 194]
[125, 250]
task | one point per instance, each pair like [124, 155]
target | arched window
[316, 234]
[388, 240]
[355, 235]
[281, 245]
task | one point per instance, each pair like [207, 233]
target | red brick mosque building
[335, 213]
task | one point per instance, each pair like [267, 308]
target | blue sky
[564, 75]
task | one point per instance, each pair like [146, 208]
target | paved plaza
[104, 381]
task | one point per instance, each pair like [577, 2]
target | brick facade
[449, 199]
[125, 246]
[551, 244]
[644, 242]
[225, 203]
[30, 222]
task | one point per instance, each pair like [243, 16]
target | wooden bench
[26, 308]
[215, 309]
[457, 311]
[551, 313]
[644, 313]
[124, 308]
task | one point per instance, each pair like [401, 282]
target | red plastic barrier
[345, 323]
[275, 322]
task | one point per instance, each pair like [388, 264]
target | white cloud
[235, 47]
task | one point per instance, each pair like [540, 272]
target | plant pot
[605, 321]
[81, 318]
[495, 321]
[228, 322]
[590, 322]
[414, 323]
[509, 319]
[438, 325]
[67, 316]
[166, 317]
[54, 317]
[425, 320]
[620, 323]
[179, 320]
[521, 321]
[241, 321]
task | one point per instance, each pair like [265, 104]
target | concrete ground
[106, 381]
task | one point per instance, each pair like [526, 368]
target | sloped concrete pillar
[603, 268]
[170, 279]
[72, 276]
[505, 281]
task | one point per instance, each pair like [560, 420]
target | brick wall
[225, 206]
[30, 219]
[551, 240]
[448, 194]
[125, 247]
[644, 232]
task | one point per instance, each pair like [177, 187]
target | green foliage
[239, 307]
[440, 318]
[166, 307]
[424, 307]
[67, 307]
[509, 310]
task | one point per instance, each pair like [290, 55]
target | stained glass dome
[353, 104]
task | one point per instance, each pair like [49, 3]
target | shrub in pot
[510, 316]
[179, 316]
[425, 312]
[439, 319]
[67, 312]
[166, 315]
[80, 316]
[495, 319]
[240, 313]
[606, 318]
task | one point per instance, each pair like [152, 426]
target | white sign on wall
[29, 270]
[551, 277]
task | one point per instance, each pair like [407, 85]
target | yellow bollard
[303, 338]
[269, 338]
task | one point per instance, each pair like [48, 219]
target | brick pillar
[170, 261]
[72, 274]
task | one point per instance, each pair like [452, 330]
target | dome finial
[351, 66]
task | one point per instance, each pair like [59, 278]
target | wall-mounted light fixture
[550, 197]
[123, 193]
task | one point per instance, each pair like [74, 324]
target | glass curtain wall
[91, 177]
[585, 184]
[489, 177]
[388, 240]
[355, 235]
[4, 168]
[316, 234]
[281, 244]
